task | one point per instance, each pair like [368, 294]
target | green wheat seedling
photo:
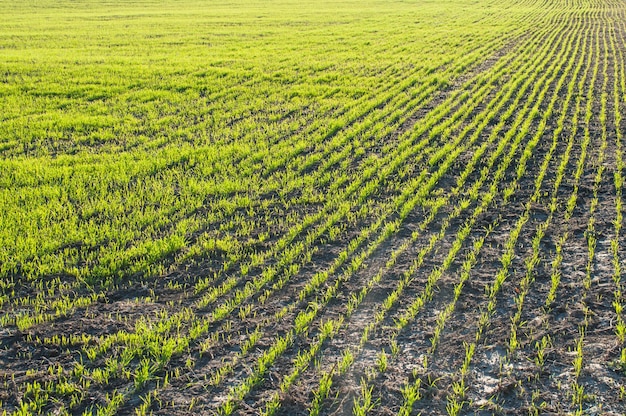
[618, 181]
[505, 261]
[578, 392]
[365, 405]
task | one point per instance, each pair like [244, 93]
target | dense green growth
[135, 140]
[323, 207]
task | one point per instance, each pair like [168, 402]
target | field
[288, 207]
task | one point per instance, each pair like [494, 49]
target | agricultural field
[385, 207]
